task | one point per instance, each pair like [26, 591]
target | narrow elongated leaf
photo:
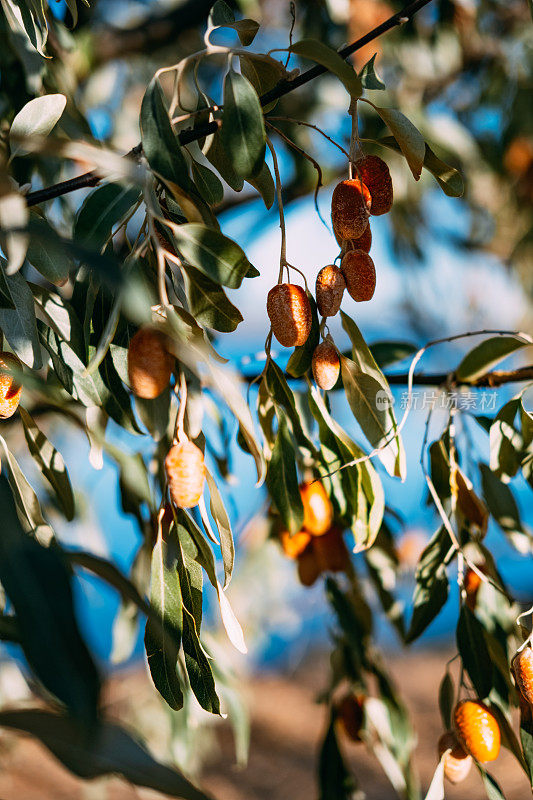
[491, 786]
[243, 129]
[46, 253]
[218, 257]
[503, 507]
[70, 370]
[220, 515]
[221, 16]
[526, 739]
[449, 179]
[50, 462]
[431, 591]
[196, 661]
[207, 183]
[409, 138]
[208, 302]
[363, 393]
[506, 444]
[18, 325]
[14, 239]
[26, 500]
[282, 480]
[436, 789]
[264, 183]
[486, 355]
[334, 780]
[113, 751]
[368, 77]
[100, 211]
[160, 145]
[204, 556]
[165, 599]
[473, 651]
[319, 52]
[380, 399]
[446, 700]
[37, 582]
[283, 396]
[36, 118]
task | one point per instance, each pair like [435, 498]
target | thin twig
[283, 251]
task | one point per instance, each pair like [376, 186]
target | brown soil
[286, 728]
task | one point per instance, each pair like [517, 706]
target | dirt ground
[286, 726]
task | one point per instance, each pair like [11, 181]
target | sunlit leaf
[50, 462]
[282, 480]
[165, 599]
[243, 130]
[36, 118]
[319, 52]
[486, 355]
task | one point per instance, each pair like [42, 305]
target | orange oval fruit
[289, 311]
[318, 511]
[457, 763]
[374, 173]
[10, 390]
[472, 582]
[326, 365]
[150, 364]
[360, 275]
[350, 714]
[523, 671]
[331, 552]
[330, 286]
[308, 569]
[364, 242]
[293, 546]
[477, 730]
[350, 205]
[185, 470]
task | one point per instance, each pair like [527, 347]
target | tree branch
[488, 380]
[282, 88]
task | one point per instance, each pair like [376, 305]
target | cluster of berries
[288, 306]
[150, 367]
[319, 547]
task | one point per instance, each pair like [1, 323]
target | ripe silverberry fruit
[457, 763]
[185, 470]
[318, 511]
[360, 275]
[150, 364]
[477, 730]
[364, 242]
[350, 714]
[293, 546]
[331, 552]
[330, 286]
[472, 584]
[10, 390]
[308, 569]
[523, 671]
[375, 174]
[350, 205]
[289, 311]
[326, 365]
